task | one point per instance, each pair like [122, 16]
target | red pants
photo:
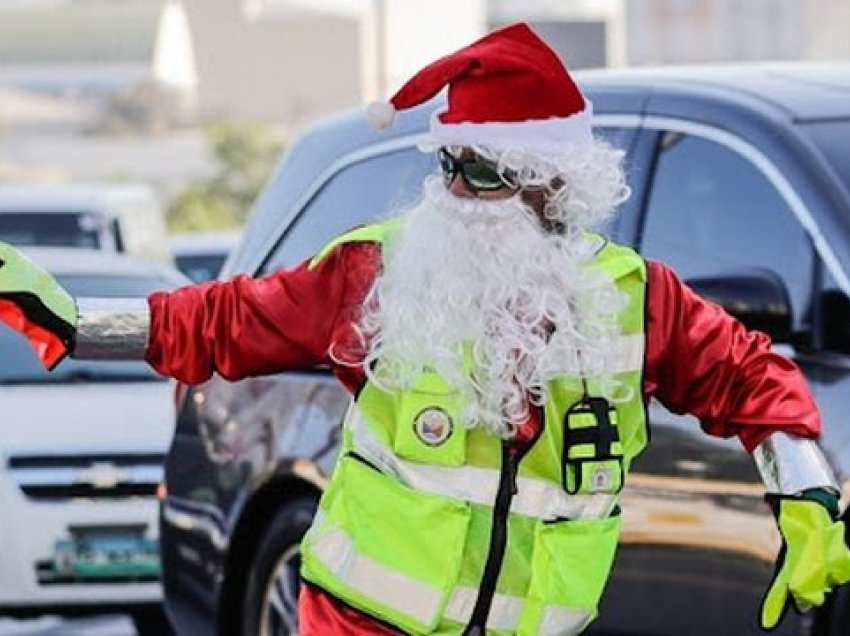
[321, 615]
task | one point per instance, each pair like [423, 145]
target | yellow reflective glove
[813, 560]
[33, 303]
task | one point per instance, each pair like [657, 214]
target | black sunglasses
[479, 174]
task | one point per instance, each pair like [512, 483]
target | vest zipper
[498, 543]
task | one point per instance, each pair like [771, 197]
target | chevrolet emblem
[102, 475]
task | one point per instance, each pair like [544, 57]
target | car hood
[86, 418]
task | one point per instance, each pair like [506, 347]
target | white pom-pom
[380, 114]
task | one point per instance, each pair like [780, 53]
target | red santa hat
[506, 90]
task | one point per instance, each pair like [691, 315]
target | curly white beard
[481, 276]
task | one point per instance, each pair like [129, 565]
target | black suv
[741, 181]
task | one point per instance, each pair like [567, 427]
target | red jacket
[699, 360]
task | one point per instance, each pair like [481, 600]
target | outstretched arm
[702, 361]
[237, 328]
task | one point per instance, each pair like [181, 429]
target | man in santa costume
[500, 356]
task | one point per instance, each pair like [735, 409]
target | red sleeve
[702, 361]
[248, 326]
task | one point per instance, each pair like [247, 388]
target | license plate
[106, 555]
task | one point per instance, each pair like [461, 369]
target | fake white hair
[584, 186]
[478, 292]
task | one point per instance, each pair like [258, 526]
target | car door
[699, 543]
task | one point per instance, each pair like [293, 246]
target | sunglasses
[479, 174]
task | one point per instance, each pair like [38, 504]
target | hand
[33, 303]
[814, 557]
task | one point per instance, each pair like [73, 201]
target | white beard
[483, 275]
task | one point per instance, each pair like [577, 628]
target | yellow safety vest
[433, 528]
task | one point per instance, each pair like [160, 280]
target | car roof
[802, 90]
[67, 261]
[70, 197]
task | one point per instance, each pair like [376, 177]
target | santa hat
[507, 90]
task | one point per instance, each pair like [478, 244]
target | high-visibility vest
[433, 527]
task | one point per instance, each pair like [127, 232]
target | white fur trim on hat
[548, 136]
[381, 114]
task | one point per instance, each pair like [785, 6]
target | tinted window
[201, 267]
[50, 229]
[833, 140]
[370, 189]
[20, 366]
[713, 212]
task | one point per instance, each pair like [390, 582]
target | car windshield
[51, 229]
[18, 364]
[833, 140]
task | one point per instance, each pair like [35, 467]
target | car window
[20, 366]
[832, 139]
[712, 212]
[201, 267]
[61, 229]
[370, 189]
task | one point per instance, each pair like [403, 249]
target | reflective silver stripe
[534, 498]
[112, 329]
[789, 465]
[629, 356]
[504, 612]
[564, 621]
[407, 596]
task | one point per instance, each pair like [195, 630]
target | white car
[123, 218]
[81, 453]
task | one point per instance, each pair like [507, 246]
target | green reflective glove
[33, 303]
[814, 557]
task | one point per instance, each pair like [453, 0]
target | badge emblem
[433, 426]
[601, 479]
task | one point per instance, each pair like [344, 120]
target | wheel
[152, 621]
[270, 604]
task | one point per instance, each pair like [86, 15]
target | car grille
[101, 476]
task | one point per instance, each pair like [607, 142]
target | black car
[741, 181]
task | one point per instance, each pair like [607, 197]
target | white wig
[488, 278]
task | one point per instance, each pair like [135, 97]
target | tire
[152, 621]
[270, 604]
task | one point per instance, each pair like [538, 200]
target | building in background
[598, 33]
[277, 64]
[698, 31]
[288, 61]
[585, 33]
[95, 47]
[408, 35]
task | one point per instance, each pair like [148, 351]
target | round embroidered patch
[433, 426]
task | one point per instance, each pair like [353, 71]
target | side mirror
[835, 321]
[758, 298]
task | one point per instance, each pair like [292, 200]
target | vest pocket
[386, 549]
[570, 566]
[429, 429]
